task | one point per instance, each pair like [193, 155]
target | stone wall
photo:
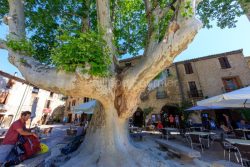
[208, 74]
[171, 88]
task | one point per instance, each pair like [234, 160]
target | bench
[178, 149]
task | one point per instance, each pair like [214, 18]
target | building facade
[69, 109]
[192, 80]
[213, 75]
[17, 95]
[185, 81]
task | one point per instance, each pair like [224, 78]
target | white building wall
[21, 98]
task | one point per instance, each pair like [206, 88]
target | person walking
[17, 128]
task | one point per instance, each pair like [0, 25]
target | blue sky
[206, 42]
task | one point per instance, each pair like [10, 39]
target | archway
[138, 118]
[166, 112]
[58, 113]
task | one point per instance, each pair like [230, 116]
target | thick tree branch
[16, 20]
[152, 14]
[72, 84]
[178, 35]
[85, 17]
[104, 18]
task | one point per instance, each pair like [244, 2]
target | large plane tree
[73, 46]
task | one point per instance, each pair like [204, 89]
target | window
[35, 90]
[3, 97]
[73, 102]
[224, 63]
[68, 108]
[34, 100]
[188, 68]
[168, 72]
[194, 92]
[10, 84]
[231, 83]
[192, 86]
[47, 104]
[51, 94]
[86, 99]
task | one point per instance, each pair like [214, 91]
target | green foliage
[23, 61]
[54, 29]
[4, 9]
[81, 50]
[23, 46]
[130, 25]
[186, 9]
[163, 24]
[246, 114]
[224, 11]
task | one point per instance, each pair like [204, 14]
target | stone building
[185, 81]
[69, 109]
[193, 80]
[162, 94]
[17, 95]
[213, 75]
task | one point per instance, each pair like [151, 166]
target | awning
[236, 99]
[195, 108]
[87, 108]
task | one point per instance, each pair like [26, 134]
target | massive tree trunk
[107, 143]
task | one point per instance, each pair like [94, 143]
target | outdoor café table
[202, 134]
[246, 131]
[238, 141]
[133, 129]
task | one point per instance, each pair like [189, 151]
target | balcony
[195, 94]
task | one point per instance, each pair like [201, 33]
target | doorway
[138, 118]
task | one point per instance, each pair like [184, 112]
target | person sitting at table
[212, 124]
[241, 124]
[159, 126]
[225, 128]
[228, 122]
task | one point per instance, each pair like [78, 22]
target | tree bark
[107, 143]
[107, 140]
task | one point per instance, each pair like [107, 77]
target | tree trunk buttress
[107, 142]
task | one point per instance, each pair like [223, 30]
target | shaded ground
[59, 139]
